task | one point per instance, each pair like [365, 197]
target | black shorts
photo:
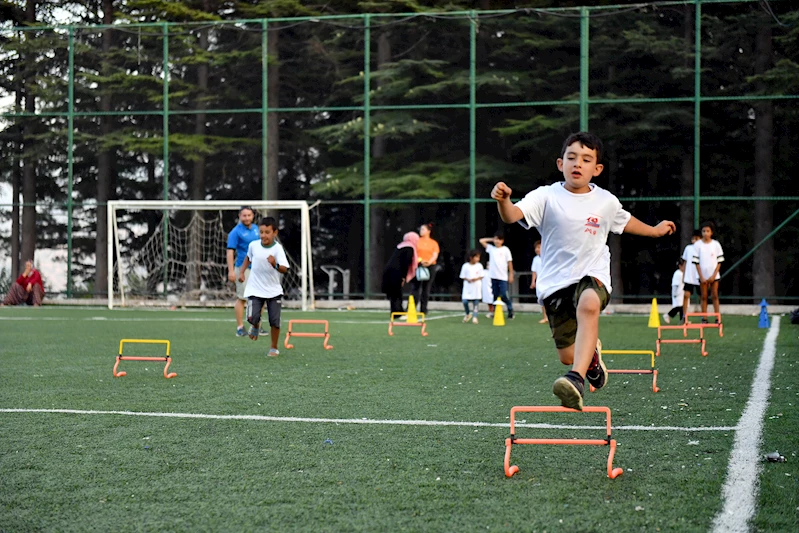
[562, 309]
[255, 306]
[690, 288]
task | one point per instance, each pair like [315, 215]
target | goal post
[170, 257]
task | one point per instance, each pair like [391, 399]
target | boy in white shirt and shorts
[574, 218]
[269, 261]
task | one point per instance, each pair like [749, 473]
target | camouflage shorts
[562, 309]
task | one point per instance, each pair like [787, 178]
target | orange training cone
[654, 316]
[499, 313]
[412, 318]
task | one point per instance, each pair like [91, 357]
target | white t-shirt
[488, 292]
[691, 275]
[707, 255]
[472, 290]
[264, 280]
[677, 288]
[498, 259]
[536, 266]
[574, 231]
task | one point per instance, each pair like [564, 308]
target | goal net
[174, 253]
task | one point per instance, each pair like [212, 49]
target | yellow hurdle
[166, 357]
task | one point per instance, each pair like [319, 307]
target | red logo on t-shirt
[591, 225]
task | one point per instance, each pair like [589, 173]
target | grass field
[402, 433]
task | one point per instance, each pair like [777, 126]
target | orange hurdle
[685, 327]
[651, 370]
[421, 323]
[326, 334]
[613, 473]
[121, 357]
[718, 325]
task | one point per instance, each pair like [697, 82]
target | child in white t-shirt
[500, 267]
[535, 268]
[691, 277]
[707, 260]
[472, 274]
[574, 218]
[677, 293]
[269, 261]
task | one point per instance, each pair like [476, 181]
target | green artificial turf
[80, 472]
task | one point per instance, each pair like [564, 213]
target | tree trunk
[763, 267]
[273, 119]
[377, 213]
[197, 191]
[16, 182]
[104, 166]
[29, 164]
[687, 206]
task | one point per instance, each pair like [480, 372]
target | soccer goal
[174, 253]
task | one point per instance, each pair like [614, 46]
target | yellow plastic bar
[167, 358]
[421, 322]
[144, 341]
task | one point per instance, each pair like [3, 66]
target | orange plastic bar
[392, 323]
[651, 370]
[326, 334]
[121, 357]
[510, 470]
[718, 325]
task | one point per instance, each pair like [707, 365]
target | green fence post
[70, 150]
[584, 69]
[367, 148]
[165, 33]
[697, 102]
[264, 109]
[472, 127]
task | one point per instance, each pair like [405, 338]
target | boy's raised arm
[508, 212]
[636, 227]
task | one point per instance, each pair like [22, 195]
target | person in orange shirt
[428, 250]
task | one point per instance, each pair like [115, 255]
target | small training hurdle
[650, 370]
[418, 323]
[718, 325]
[121, 357]
[685, 327]
[326, 334]
[613, 473]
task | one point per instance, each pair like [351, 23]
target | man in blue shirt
[238, 242]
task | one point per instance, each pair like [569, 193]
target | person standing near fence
[500, 267]
[708, 256]
[400, 269]
[238, 242]
[27, 289]
[428, 250]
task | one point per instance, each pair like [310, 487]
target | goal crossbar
[306, 257]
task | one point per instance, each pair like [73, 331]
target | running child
[574, 218]
[269, 261]
[677, 293]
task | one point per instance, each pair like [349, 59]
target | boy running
[268, 261]
[574, 218]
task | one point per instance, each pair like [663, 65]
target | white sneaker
[474, 320]
[489, 315]
[467, 318]
[666, 318]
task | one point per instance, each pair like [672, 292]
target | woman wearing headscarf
[28, 289]
[400, 269]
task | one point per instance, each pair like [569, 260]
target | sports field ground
[386, 433]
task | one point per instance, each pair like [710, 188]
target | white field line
[739, 493]
[181, 319]
[367, 421]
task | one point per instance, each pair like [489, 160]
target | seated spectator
[28, 289]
